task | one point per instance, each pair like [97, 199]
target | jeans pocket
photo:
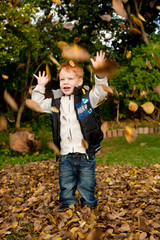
[62, 159]
[90, 161]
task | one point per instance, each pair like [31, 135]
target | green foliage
[135, 78]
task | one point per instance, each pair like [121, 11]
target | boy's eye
[62, 79]
[70, 78]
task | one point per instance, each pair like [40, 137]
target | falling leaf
[3, 123]
[84, 144]
[133, 106]
[75, 53]
[119, 8]
[85, 26]
[48, 72]
[34, 106]
[141, 17]
[157, 89]
[68, 25]
[71, 63]
[104, 128]
[54, 109]
[54, 60]
[130, 134]
[5, 76]
[123, 26]
[107, 88]
[77, 40]
[134, 30]
[57, 1]
[148, 107]
[106, 17]
[10, 101]
[149, 15]
[21, 65]
[156, 58]
[128, 54]
[137, 21]
[158, 8]
[62, 44]
[108, 68]
[53, 147]
[148, 64]
[56, 22]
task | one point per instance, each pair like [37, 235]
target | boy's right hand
[41, 79]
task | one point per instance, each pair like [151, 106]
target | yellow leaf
[70, 212]
[137, 21]
[62, 44]
[123, 26]
[57, 1]
[84, 143]
[128, 54]
[14, 225]
[54, 109]
[130, 134]
[74, 229]
[133, 106]
[48, 72]
[81, 234]
[148, 107]
[54, 60]
[85, 26]
[5, 76]
[59, 238]
[75, 52]
[72, 220]
[71, 63]
[141, 17]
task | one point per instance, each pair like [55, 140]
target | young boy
[76, 129]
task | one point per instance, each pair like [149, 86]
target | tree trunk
[118, 112]
[19, 114]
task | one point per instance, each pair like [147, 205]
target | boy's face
[69, 80]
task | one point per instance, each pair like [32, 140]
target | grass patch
[118, 150]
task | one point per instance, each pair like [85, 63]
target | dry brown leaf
[95, 233]
[130, 134]
[133, 106]
[156, 58]
[56, 22]
[53, 147]
[148, 107]
[104, 128]
[21, 65]
[157, 89]
[3, 123]
[148, 64]
[107, 88]
[123, 26]
[34, 106]
[134, 30]
[124, 227]
[10, 101]
[77, 40]
[106, 17]
[54, 60]
[143, 236]
[75, 53]
[119, 8]
[54, 109]
[84, 144]
[68, 25]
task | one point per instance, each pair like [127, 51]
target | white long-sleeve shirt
[70, 131]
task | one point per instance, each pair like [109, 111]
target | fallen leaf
[148, 107]
[3, 123]
[53, 147]
[119, 8]
[71, 63]
[130, 134]
[34, 106]
[54, 109]
[133, 106]
[84, 144]
[10, 101]
[54, 60]
[106, 17]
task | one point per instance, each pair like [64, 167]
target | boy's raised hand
[99, 60]
[41, 79]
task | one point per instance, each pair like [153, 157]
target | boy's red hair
[73, 66]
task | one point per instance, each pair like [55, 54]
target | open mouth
[66, 88]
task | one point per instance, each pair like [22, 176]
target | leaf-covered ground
[128, 204]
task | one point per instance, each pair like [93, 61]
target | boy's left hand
[99, 61]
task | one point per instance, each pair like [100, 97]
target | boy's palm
[99, 60]
[41, 79]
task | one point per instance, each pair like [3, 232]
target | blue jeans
[77, 172]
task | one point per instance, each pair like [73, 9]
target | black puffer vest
[89, 119]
